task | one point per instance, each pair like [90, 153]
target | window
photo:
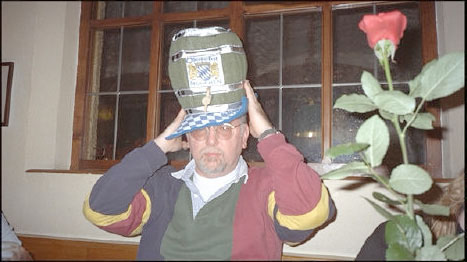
[301, 56]
[351, 55]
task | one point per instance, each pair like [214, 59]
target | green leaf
[422, 120]
[456, 251]
[346, 149]
[404, 231]
[385, 199]
[426, 233]
[442, 78]
[380, 210]
[433, 209]
[395, 102]
[345, 171]
[416, 82]
[370, 85]
[385, 114]
[432, 253]
[397, 251]
[374, 132]
[355, 103]
[410, 179]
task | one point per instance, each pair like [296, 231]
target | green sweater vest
[209, 235]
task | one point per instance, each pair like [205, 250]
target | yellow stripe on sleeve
[307, 221]
[146, 214]
[100, 219]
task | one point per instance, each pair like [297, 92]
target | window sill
[68, 171]
[180, 164]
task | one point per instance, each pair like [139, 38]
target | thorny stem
[388, 187]
[413, 116]
[379, 179]
[387, 71]
[400, 134]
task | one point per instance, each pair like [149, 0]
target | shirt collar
[240, 170]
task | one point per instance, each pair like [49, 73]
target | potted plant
[406, 235]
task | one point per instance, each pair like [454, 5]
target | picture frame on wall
[7, 80]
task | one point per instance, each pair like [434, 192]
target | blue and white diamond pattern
[201, 120]
[204, 71]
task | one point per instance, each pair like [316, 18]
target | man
[216, 207]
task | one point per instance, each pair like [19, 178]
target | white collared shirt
[204, 189]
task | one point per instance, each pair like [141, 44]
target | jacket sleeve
[299, 202]
[119, 202]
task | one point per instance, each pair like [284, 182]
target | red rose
[390, 26]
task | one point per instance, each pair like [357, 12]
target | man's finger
[181, 114]
[175, 123]
[179, 118]
[248, 89]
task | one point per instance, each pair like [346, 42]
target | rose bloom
[389, 25]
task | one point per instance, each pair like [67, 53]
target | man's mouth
[211, 154]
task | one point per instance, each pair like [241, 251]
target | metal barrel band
[200, 32]
[225, 49]
[214, 108]
[202, 91]
[216, 99]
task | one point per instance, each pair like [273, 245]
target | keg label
[204, 70]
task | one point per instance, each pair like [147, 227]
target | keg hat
[207, 67]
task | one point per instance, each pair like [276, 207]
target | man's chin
[211, 168]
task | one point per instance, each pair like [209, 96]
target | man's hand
[259, 122]
[175, 144]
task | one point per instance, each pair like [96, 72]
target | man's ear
[245, 135]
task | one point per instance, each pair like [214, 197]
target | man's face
[216, 156]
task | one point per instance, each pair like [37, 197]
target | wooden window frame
[235, 12]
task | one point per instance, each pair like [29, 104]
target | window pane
[208, 23]
[109, 9]
[106, 60]
[134, 62]
[269, 99]
[169, 31]
[415, 143]
[345, 126]
[302, 49]
[99, 134]
[351, 53]
[135, 58]
[301, 120]
[138, 8]
[263, 49]
[271, 2]
[409, 53]
[187, 6]
[132, 111]
[119, 9]
[169, 110]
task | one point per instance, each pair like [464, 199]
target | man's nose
[212, 136]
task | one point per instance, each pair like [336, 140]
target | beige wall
[42, 39]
